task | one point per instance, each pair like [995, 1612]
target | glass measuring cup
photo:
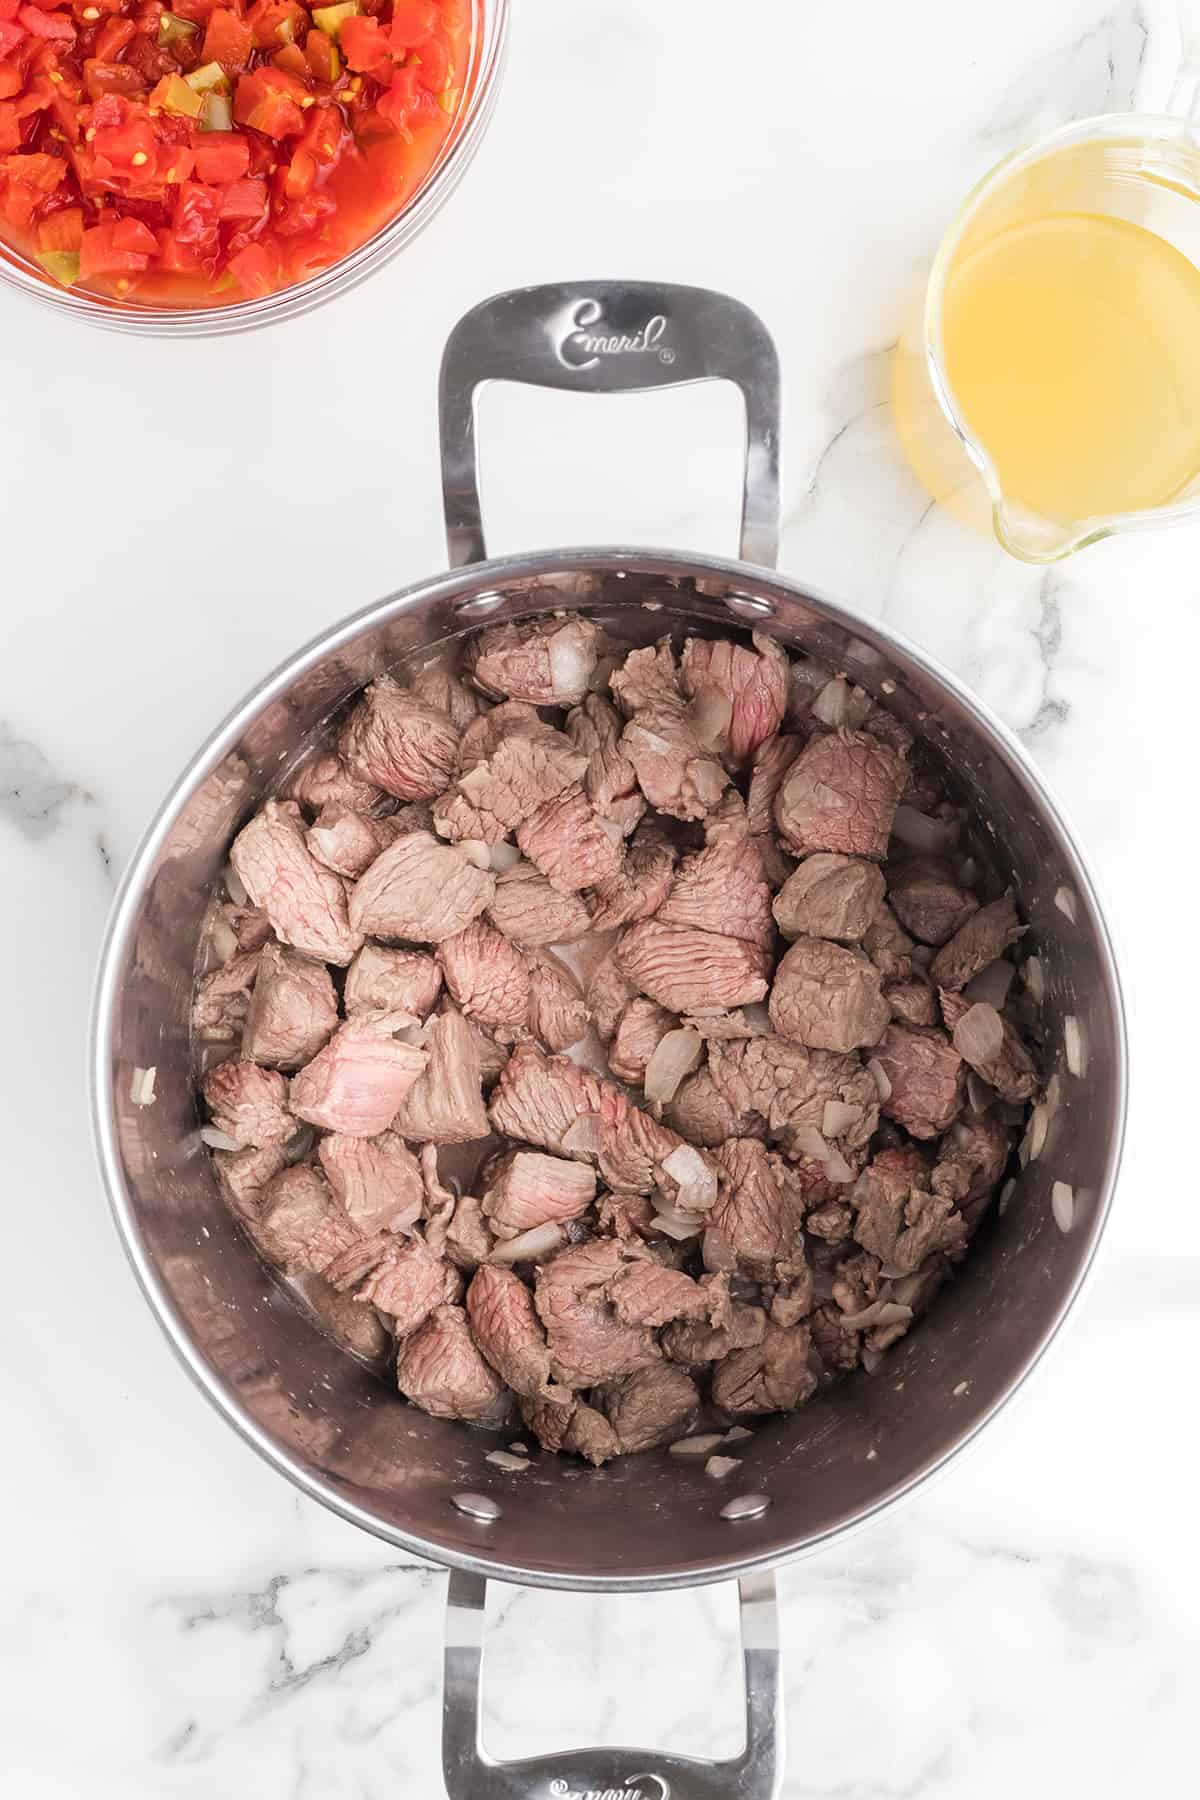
[1130, 169]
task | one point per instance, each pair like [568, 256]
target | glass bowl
[489, 36]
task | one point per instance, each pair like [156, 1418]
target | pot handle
[471, 1774]
[610, 337]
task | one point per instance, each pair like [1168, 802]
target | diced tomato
[111, 78]
[292, 60]
[11, 80]
[37, 171]
[320, 52]
[433, 63]
[196, 216]
[11, 34]
[46, 25]
[412, 22]
[300, 175]
[253, 270]
[268, 101]
[124, 247]
[131, 143]
[62, 230]
[276, 22]
[325, 134]
[364, 46]
[114, 36]
[198, 11]
[243, 200]
[221, 156]
[9, 8]
[10, 126]
[402, 99]
[228, 40]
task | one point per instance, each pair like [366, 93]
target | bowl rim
[457, 587]
[489, 50]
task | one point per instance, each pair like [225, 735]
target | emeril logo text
[582, 348]
[562, 1790]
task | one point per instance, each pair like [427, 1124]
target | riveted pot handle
[471, 1774]
[610, 337]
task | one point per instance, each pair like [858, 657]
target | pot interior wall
[337, 1426]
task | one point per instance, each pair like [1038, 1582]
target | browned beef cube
[532, 913]
[588, 1342]
[487, 976]
[647, 677]
[687, 970]
[912, 1002]
[841, 794]
[889, 946]
[653, 1406]
[760, 1207]
[392, 981]
[441, 1371]
[828, 997]
[305, 903]
[355, 1327]
[897, 1218]
[985, 936]
[445, 1104]
[608, 994]
[440, 688]
[693, 1344]
[237, 928]
[244, 1176]
[749, 687]
[561, 1421]
[529, 1189]
[772, 760]
[558, 1015]
[356, 1084]
[507, 1329]
[377, 1180]
[348, 842]
[926, 1076]
[829, 896]
[397, 742]
[421, 891]
[721, 888]
[519, 764]
[701, 1113]
[326, 781]
[249, 1104]
[293, 1011]
[774, 1376]
[838, 1348]
[790, 1086]
[569, 842]
[301, 1228]
[546, 662]
[401, 1276]
[971, 1158]
[610, 782]
[641, 1028]
[644, 1293]
[928, 900]
[223, 999]
[675, 772]
[831, 1222]
[640, 885]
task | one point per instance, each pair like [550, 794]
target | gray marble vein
[33, 795]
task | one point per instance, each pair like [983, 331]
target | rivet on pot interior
[477, 1506]
[746, 1506]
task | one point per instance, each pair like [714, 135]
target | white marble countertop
[175, 1622]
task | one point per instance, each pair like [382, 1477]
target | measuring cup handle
[609, 337]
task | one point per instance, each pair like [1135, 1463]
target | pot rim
[461, 585]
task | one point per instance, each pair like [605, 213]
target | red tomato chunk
[201, 154]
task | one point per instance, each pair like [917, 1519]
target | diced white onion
[504, 1459]
[235, 887]
[530, 1246]
[920, 832]
[678, 1225]
[838, 1117]
[837, 1168]
[832, 704]
[991, 985]
[696, 1179]
[1035, 979]
[223, 939]
[979, 1094]
[737, 1434]
[141, 1086]
[967, 873]
[217, 1140]
[880, 1312]
[1062, 1205]
[880, 1077]
[1066, 903]
[1006, 1194]
[652, 741]
[1039, 1124]
[710, 716]
[979, 1034]
[503, 856]
[1074, 1046]
[871, 1360]
[477, 852]
[570, 666]
[675, 1056]
[700, 1445]
[721, 1466]
[809, 1142]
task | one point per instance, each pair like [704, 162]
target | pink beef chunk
[421, 891]
[828, 997]
[223, 999]
[301, 1227]
[642, 1026]
[394, 740]
[928, 900]
[327, 782]
[377, 1180]
[487, 976]
[441, 1371]
[305, 903]
[652, 1407]
[773, 1376]
[688, 970]
[722, 889]
[357, 1083]
[588, 1342]
[640, 885]
[531, 1189]
[645, 1293]
[445, 1103]
[560, 1420]
[572, 846]
[986, 935]
[841, 794]
[348, 842]
[926, 1075]
[508, 1330]
[772, 760]
[249, 1104]
[897, 1218]
[608, 994]
[526, 765]
[753, 685]
[830, 896]
[532, 913]
[546, 662]
[610, 781]
[677, 772]
[244, 1176]
[440, 688]
[405, 1281]
[760, 1207]
[392, 981]
[293, 1011]
[558, 1014]
[788, 1087]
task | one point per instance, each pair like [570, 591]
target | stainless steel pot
[326, 1423]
